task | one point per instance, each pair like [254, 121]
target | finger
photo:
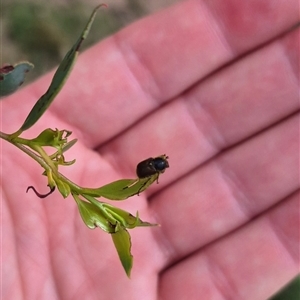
[129, 75]
[251, 263]
[228, 191]
[157, 58]
[225, 109]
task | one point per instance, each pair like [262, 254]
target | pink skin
[214, 85]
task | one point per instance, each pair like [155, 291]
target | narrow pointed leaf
[58, 80]
[122, 243]
[125, 218]
[69, 145]
[124, 188]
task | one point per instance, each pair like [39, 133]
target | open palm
[214, 86]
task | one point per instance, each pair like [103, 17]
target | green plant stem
[45, 162]
[46, 158]
[23, 148]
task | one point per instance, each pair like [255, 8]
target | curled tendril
[52, 189]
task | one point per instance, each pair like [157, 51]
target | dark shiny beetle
[152, 166]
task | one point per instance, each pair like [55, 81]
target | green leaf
[124, 188]
[58, 155]
[58, 80]
[125, 218]
[291, 291]
[148, 171]
[11, 77]
[122, 243]
[117, 215]
[93, 216]
[69, 145]
[63, 188]
[112, 220]
[49, 137]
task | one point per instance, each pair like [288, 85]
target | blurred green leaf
[11, 77]
[53, 26]
[58, 155]
[58, 80]
[122, 243]
[290, 292]
[69, 145]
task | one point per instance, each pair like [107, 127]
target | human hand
[193, 82]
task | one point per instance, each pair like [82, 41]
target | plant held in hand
[94, 213]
